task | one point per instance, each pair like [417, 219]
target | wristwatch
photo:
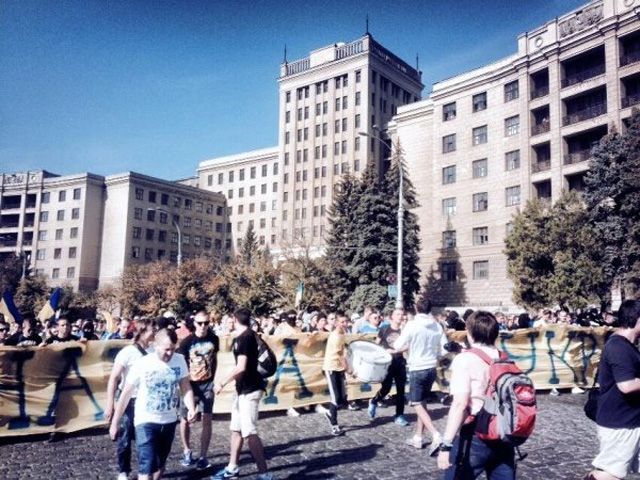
[445, 446]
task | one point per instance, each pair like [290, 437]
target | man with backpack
[250, 387]
[476, 438]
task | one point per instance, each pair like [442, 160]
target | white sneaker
[576, 390]
[554, 391]
[292, 412]
[436, 440]
[123, 476]
[321, 409]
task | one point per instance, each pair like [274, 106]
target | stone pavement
[302, 448]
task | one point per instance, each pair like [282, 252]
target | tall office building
[488, 140]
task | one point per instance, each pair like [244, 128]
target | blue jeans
[471, 456]
[125, 438]
[154, 445]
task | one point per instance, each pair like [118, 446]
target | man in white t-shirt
[157, 378]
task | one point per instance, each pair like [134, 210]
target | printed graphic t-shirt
[200, 354]
[158, 388]
[126, 358]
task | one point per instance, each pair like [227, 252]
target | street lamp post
[399, 300]
[175, 224]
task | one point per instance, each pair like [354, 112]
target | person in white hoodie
[424, 339]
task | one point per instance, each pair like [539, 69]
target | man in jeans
[397, 372]
[618, 416]
[249, 390]
[424, 338]
[157, 377]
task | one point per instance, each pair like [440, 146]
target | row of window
[75, 214]
[449, 270]
[251, 224]
[252, 207]
[480, 168]
[479, 135]
[300, 233]
[43, 234]
[301, 213]
[189, 204]
[480, 201]
[479, 101]
[318, 192]
[41, 253]
[480, 236]
[163, 218]
[321, 172]
[150, 235]
[241, 174]
[340, 81]
[62, 195]
[55, 273]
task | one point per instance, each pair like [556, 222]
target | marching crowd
[165, 379]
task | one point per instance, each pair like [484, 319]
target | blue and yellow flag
[49, 309]
[8, 308]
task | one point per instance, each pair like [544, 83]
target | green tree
[411, 228]
[10, 273]
[249, 247]
[31, 294]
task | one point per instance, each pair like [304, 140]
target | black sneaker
[202, 463]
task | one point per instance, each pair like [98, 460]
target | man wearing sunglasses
[200, 350]
[4, 333]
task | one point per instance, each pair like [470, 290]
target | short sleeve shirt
[126, 358]
[158, 386]
[201, 356]
[470, 374]
[620, 362]
[247, 344]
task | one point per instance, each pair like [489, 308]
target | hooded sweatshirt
[425, 339]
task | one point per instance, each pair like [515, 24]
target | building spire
[367, 25]
[417, 62]
[285, 53]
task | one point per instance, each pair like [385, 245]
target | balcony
[541, 166]
[540, 128]
[585, 114]
[630, 100]
[577, 157]
[629, 58]
[27, 242]
[540, 92]
[583, 75]
[9, 225]
[8, 242]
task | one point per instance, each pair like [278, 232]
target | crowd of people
[165, 379]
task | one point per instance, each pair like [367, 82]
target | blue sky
[157, 86]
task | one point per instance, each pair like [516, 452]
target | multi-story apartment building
[251, 184]
[56, 221]
[82, 230]
[326, 100]
[145, 218]
[523, 127]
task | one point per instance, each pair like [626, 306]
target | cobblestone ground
[302, 448]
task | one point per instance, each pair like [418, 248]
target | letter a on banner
[71, 355]
[289, 354]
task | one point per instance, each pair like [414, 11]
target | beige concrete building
[146, 217]
[56, 221]
[490, 139]
[251, 183]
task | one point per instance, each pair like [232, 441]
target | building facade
[490, 139]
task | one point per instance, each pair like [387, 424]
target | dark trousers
[125, 437]
[397, 373]
[338, 392]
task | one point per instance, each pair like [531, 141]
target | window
[77, 192]
[325, 107]
[72, 252]
[187, 222]
[481, 236]
[46, 196]
[44, 216]
[449, 143]
[481, 270]
[57, 253]
[241, 192]
[177, 201]
[287, 97]
[512, 126]
[287, 136]
[135, 252]
[199, 207]
[137, 213]
[186, 239]
[479, 102]
[480, 201]
[71, 272]
[512, 160]
[480, 168]
[449, 206]
[163, 217]
[164, 199]
[75, 213]
[449, 239]
[40, 254]
[42, 235]
[511, 91]
[59, 233]
[151, 196]
[449, 271]
[137, 232]
[287, 116]
[60, 215]
[162, 236]
[197, 240]
[55, 273]
[139, 194]
[336, 128]
[357, 98]
[449, 174]
[209, 180]
[479, 135]
[252, 172]
[220, 178]
[356, 144]
[62, 195]
[512, 196]
[449, 111]
[230, 193]
[337, 104]
[150, 234]
[344, 103]
[151, 215]
[73, 233]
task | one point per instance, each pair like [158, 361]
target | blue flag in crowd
[49, 309]
[8, 308]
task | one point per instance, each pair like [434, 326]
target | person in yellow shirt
[334, 366]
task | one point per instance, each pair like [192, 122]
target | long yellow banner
[63, 387]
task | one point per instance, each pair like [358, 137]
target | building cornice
[171, 187]
[253, 156]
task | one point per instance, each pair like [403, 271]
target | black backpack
[267, 360]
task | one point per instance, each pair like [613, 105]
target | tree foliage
[10, 273]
